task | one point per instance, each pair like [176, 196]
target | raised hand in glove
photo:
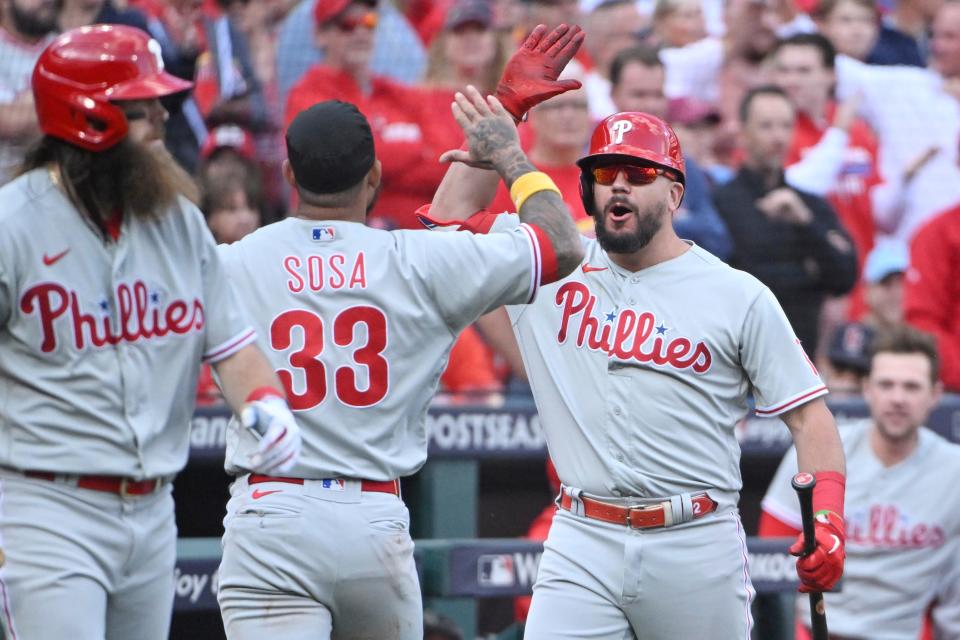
[820, 570]
[271, 419]
[530, 76]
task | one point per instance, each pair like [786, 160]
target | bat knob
[804, 481]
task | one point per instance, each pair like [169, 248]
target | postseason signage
[472, 569]
[513, 430]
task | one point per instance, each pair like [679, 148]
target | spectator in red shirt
[847, 172]
[399, 115]
[468, 50]
[561, 129]
[932, 293]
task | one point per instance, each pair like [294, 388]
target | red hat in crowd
[229, 136]
[690, 111]
[326, 10]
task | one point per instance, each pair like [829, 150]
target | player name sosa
[139, 319]
[325, 271]
[887, 528]
[628, 337]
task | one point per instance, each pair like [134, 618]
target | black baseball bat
[803, 484]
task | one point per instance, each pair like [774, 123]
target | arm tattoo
[496, 140]
[512, 163]
[547, 210]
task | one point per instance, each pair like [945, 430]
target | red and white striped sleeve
[780, 372]
[543, 254]
[229, 347]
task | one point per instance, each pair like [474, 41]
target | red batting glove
[820, 570]
[530, 76]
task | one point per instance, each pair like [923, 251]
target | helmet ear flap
[586, 191]
[70, 114]
[97, 123]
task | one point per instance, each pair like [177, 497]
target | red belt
[387, 486]
[637, 517]
[109, 484]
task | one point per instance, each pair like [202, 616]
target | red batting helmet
[83, 70]
[631, 137]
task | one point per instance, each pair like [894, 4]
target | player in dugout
[902, 534]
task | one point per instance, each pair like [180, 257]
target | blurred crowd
[821, 136]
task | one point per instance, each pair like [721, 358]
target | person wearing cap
[111, 296]
[883, 276]
[884, 273]
[398, 51]
[848, 358]
[467, 51]
[401, 115]
[360, 322]
[641, 363]
[229, 154]
[932, 289]
[637, 79]
[901, 516]
[697, 124]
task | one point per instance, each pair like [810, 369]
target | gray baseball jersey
[100, 343]
[358, 324]
[903, 527]
[100, 349]
[640, 377]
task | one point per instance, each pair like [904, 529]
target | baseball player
[111, 295]
[360, 322]
[641, 362]
[902, 520]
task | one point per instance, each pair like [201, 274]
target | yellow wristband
[529, 184]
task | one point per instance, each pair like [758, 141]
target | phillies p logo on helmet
[618, 128]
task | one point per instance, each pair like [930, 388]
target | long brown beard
[130, 177]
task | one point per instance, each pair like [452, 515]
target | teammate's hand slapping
[530, 76]
[820, 570]
[489, 128]
[271, 420]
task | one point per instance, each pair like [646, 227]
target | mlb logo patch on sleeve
[323, 234]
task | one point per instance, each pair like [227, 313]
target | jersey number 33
[312, 370]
